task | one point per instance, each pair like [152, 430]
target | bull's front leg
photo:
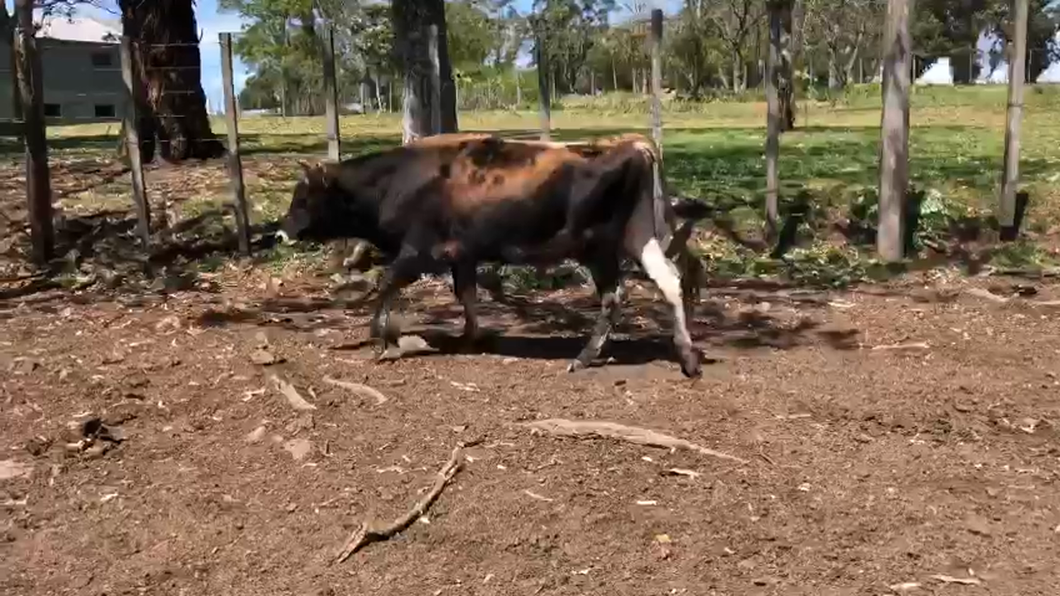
[403, 271]
[606, 272]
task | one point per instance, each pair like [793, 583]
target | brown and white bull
[453, 201]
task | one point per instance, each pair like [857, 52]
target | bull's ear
[327, 172]
[307, 170]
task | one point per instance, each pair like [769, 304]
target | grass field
[713, 151]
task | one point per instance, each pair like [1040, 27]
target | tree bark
[894, 131]
[166, 59]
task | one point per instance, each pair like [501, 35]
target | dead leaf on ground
[10, 468]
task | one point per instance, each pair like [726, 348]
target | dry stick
[632, 434]
[367, 534]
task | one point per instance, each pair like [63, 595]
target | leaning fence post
[34, 135]
[1010, 175]
[331, 97]
[235, 163]
[132, 142]
[773, 122]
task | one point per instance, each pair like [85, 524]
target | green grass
[714, 150]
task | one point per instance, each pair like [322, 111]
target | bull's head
[316, 206]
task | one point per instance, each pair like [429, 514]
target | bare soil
[895, 435]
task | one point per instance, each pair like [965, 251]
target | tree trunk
[739, 75]
[894, 131]
[436, 9]
[166, 58]
[410, 19]
[786, 68]
[833, 70]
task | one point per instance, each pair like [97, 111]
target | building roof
[80, 28]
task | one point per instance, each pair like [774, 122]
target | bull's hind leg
[641, 243]
[608, 281]
[465, 287]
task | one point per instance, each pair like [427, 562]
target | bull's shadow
[498, 342]
[559, 329]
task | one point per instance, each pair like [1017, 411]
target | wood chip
[681, 472]
[965, 581]
[534, 495]
[919, 345]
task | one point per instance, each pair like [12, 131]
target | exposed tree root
[369, 532]
[631, 434]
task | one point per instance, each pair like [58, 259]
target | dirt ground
[899, 439]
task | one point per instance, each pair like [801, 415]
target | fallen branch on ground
[358, 389]
[294, 398]
[631, 434]
[368, 533]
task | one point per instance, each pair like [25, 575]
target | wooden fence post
[656, 95]
[331, 97]
[132, 142]
[235, 162]
[543, 87]
[436, 80]
[34, 135]
[894, 131]
[1010, 175]
[773, 122]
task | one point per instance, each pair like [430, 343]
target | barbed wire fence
[99, 121]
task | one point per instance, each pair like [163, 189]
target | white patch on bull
[640, 242]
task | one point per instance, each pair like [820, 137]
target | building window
[102, 59]
[105, 110]
[53, 110]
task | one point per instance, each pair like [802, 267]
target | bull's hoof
[576, 365]
[389, 354]
[692, 363]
